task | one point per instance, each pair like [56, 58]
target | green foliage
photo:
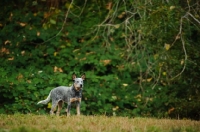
[140, 57]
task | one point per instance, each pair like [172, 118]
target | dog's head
[78, 82]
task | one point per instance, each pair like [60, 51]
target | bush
[140, 60]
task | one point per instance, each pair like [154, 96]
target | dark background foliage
[141, 58]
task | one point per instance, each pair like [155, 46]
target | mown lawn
[46, 123]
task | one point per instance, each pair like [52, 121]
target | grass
[45, 123]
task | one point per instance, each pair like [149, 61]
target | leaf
[45, 26]
[125, 84]
[109, 5]
[68, 6]
[50, 51]
[22, 24]
[38, 33]
[167, 46]
[49, 105]
[149, 79]
[105, 62]
[172, 7]
[182, 62]
[117, 26]
[156, 56]
[52, 21]
[164, 73]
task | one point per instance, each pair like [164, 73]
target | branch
[66, 15]
[160, 69]
[183, 45]
[188, 13]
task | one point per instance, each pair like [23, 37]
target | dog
[62, 94]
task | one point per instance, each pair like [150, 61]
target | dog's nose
[81, 85]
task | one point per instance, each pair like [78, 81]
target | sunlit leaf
[22, 24]
[38, 33]
[149, 79]
[109, 5]
[117, 26]
[172, 7]
[167, 46]
[52, 21]
[68, 6]
[164, 73]
[49, 105]
[182, 62]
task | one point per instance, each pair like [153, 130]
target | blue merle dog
[62, 94]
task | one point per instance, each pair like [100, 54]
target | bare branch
[183, 45]
[193, 17]
[64, 22]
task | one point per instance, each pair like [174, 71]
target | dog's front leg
[78, 106]
[68, 109]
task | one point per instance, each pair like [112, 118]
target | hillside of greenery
[140, 57]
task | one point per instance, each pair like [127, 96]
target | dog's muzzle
[79, 88]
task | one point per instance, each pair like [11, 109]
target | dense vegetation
[141, 57]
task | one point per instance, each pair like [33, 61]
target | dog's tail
[46, 100]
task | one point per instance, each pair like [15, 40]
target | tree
[140, 56]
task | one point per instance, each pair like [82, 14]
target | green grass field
[46, 123]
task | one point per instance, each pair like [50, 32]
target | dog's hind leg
[53, 107]
[60, 104]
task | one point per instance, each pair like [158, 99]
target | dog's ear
[83, 76]
[73, 76]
